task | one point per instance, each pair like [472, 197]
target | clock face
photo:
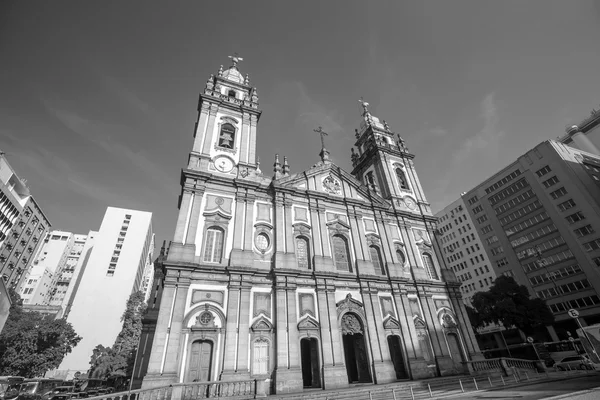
[223, 164]
[410, 203]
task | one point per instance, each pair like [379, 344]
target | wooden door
[200, 361]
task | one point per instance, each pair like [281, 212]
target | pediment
[308, 323]
[262, 324]
[328, 176]
[391, 323]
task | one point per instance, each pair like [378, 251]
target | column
[240, 205]
[194, 219]
[231, 329]
[183, 214]
[245, 133]
[465, 326]
[363, 262]
[290, 249]
[334, 370]
[173, 350]
[407, 325]
[210, 130]
[243, 365]
[252, 150]
[385, 240]
[201, 128]
[249, 223]
[279, 232]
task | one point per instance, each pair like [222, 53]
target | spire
[221, 70]
[235, 58]
[286, 166]
[247, 80]
[324, 152]
[277, 167]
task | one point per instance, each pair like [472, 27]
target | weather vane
[364, 104]
[321, 132]
[236, 58]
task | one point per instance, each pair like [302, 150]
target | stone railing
[246, 389]
[504, 366]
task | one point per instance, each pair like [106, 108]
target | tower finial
[324, 153]
[220, 71]
[286, 166]
[365, 106]
[235, 58]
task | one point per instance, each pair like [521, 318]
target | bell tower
[225, 131]
[384, 164]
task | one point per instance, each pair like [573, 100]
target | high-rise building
[459, 243]
[52, 280]
[23, 225]
[114, 269]
[319, 278]
[538, 220]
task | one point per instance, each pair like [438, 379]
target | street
[545, 390]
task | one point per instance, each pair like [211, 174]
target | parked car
[62, 393]
[574, 362]
[9, 386]
[37, 389]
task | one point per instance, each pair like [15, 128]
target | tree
[119, 359]
[32, 343]
[509, 304]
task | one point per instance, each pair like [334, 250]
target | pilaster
[210, 129]
[201, 127]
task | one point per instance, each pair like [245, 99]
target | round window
[205, 317]
[262, 242]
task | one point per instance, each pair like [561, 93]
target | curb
[569, 395]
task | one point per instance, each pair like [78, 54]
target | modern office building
[539, 221]
[460, 245]
[114, 269]
[23, 225]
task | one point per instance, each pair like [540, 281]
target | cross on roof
[321, 132]
[236, 58]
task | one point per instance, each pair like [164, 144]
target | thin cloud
[438, 131]
[126, 95]
[485, 140]
[95, 132]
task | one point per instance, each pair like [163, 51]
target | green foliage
[509, 304]
[32, 343]
[119, 359]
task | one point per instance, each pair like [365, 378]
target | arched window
[213, 245]
[341, 256]
[401, 179]
[231, 93]
[227, 136]
[303, 253]
[400, 255]
[376, 259]
[429, 266]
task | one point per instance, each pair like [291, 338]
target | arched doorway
[396, 354]
[200, 365]
[455, 348]
[355, 349]
[309, 353]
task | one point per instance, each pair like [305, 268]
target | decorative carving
[262, 325]
[387, 306]
[351, 325]
[262, 304]
[218, 205]
[369, 225]
[332, 185]
[448, 321]
[215, 296]
[308, 324]
[349, 304]
[307, 304]
[391, 323]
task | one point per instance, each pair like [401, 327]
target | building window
[110, 273]
[578, 216]
[260, 362]
[227, 136]
[231, 93]
[213, 245]
[303, 253]
[566, 205]
[341, 256]
[550, 182]
[401, 179]
[127, 216]
[429, 267]
[376, 259]
[558, 193]
[543, 171]
[584, 231]
[400, 255]
[371, 181]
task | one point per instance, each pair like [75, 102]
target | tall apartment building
[121, 253]
[22, 226]
[460, 244]
[52, 280]
[539, 221]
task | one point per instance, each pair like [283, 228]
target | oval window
[262, 242]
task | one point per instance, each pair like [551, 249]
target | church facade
[318, 279]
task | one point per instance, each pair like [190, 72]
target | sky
[98, 100]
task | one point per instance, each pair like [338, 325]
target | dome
[233, 74]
